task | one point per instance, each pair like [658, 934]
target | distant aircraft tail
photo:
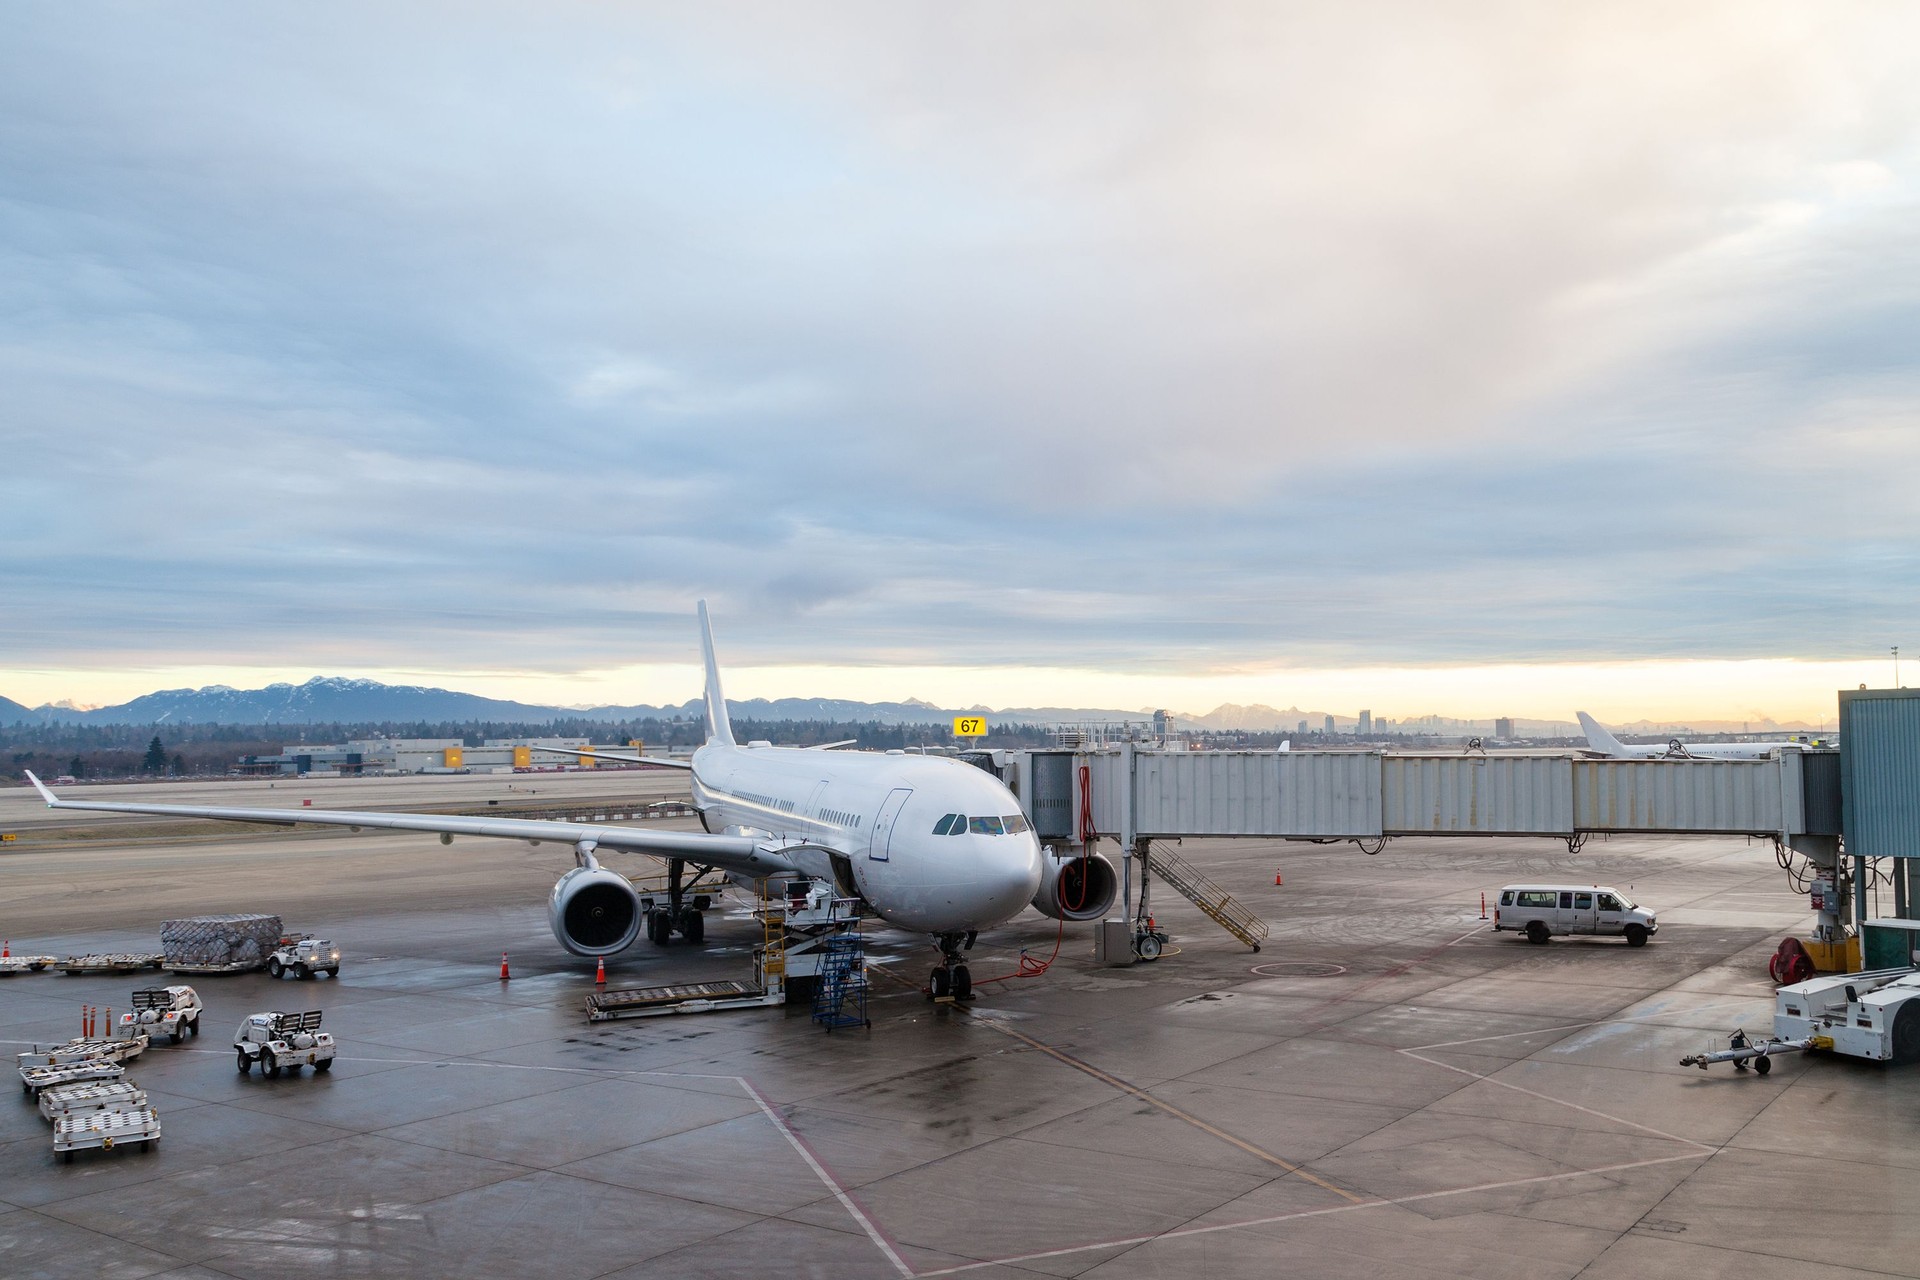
[1599, 739]
[719, 728]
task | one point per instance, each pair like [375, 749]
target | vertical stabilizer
[719, 728]
[1599, 739]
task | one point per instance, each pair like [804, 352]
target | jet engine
[1076, 887]
[594, 912]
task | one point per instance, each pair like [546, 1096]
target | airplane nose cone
[1017, 875]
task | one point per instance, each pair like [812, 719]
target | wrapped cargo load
[219, 942]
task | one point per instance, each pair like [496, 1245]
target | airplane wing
[744, 854]
[668, 761]
[833, 746]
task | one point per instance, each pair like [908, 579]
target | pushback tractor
[1874, 1015]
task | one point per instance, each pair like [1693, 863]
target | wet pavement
[1385, 1090]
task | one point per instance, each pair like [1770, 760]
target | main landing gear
[678, 916]
[952, 980]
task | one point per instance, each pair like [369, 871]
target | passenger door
[878, 846]
[1610, 915]
[1580, 918]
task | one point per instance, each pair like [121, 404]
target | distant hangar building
[376, 756]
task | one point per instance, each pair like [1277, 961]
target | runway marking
[1135, 1091]
[1178, 1233]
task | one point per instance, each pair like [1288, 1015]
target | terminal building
[389, 756]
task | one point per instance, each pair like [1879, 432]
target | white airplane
[1607, 745]
[931, 845]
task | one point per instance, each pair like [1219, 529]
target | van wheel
[1637, 936]
[1537, 933]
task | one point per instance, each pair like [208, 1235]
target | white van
[1542, 910]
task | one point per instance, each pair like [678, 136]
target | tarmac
[1387, 1089]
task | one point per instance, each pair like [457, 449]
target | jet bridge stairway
[1185, 879]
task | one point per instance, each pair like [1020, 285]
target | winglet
[41, 787]
[719, 727]
[1598, 738]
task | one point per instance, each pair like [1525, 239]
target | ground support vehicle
[305, 957]
[795, 929]
[1545, 911]
[105, 1129]
[94, 1095]
[173, 1012]
[283, 1040]
[25, 964]
[115, 962]
[1873, 1015]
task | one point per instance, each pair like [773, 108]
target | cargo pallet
[25, 964]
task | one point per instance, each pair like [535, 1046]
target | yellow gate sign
[969, 726]
[6, 835]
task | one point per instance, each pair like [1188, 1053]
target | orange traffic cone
[6, 949]
[600, 972]
[1276, 877]
[504, 975]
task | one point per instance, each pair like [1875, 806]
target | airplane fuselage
[931, 844]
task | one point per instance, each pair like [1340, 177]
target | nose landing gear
[951, 979]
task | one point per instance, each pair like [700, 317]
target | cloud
[1090, 335]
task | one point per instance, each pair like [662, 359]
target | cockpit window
[946, 824]
[959, 824]
[985, 826]
[1016, 823]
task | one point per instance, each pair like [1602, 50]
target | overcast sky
[1136, 351]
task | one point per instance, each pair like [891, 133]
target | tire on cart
[245, 1063]
[301, 972]
[269, 1065]
[321, 1068]
[274, 967]
[1762, 1064]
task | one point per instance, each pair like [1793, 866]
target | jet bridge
[1136, 794]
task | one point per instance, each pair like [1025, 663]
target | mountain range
[338, 700]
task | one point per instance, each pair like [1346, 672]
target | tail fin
[719, 728]
[1598, 738]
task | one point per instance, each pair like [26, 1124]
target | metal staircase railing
[1220, 906]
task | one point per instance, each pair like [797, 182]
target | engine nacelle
[1076, 887]
[594, 912]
